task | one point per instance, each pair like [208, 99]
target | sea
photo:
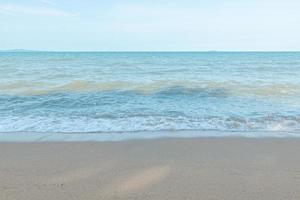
[136, 93]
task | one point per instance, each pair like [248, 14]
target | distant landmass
[18, 50]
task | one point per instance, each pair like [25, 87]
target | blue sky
[164, 25]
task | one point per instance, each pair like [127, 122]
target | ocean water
[140, 92]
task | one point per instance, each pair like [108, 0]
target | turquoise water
[146, 92]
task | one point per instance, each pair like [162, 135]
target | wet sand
[177, 169]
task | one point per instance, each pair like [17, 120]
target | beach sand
[176, 169]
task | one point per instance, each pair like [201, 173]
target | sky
[150, 25]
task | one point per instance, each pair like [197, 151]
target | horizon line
[144, 51]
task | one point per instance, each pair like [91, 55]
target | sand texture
[160, 169]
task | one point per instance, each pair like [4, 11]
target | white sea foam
[147, 123]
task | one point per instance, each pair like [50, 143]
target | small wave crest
[147, 123]
[150, 87]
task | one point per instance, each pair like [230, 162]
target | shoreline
[139, 135]
[167, 168]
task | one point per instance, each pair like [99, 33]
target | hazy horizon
[149, 51]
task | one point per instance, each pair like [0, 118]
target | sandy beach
[202, 168]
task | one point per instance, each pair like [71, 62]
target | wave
[148, 123]
[150, 87]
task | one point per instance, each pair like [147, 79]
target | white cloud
[49, 2]
[32, 10]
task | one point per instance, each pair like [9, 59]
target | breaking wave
[147, 123]
[234, 88]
